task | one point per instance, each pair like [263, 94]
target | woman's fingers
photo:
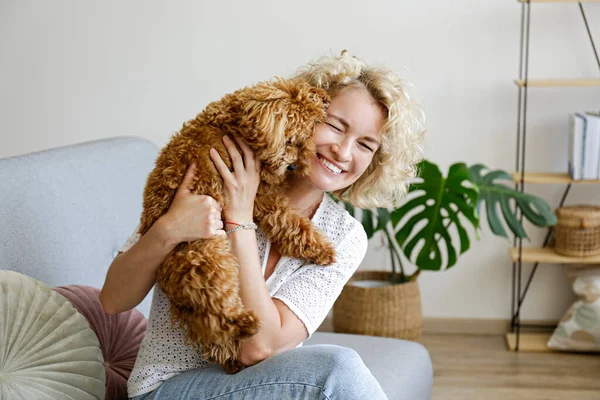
[216, 206]
[214, 222]
[184, 186]
[221, 166]
[219, 224]
[249, 160]
[236, 159]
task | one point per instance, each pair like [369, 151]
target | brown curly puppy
[200, 278]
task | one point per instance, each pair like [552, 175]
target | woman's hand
[190, 216]
[241, 184]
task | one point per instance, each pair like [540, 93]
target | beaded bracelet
[245, 225]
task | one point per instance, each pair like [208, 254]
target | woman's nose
[342, 150]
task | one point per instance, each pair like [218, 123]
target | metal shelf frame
[519, 291]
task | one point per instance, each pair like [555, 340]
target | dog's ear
[278, 120]
[262, 116]
[302, 124]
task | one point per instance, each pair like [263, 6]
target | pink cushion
[119, 335]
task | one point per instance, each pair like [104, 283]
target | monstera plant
[436, 206]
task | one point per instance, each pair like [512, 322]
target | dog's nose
[291, 167]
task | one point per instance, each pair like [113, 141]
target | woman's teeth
[329, 165]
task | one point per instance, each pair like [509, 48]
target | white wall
[72, 71]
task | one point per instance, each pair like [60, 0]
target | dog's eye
[288, 143]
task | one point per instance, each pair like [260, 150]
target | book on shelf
[584, 146]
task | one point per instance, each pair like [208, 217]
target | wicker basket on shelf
[391, 311]
[577, 232]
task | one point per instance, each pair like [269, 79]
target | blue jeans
[325, 372]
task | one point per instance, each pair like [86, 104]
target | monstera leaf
[493, 194]
[437, 206]
[434, 206]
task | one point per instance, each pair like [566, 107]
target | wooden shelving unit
[550, 177]
[517, 340]
[558, 1]
[557, 82]
[547, 255]
[530, 342]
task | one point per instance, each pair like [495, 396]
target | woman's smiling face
[347, 141]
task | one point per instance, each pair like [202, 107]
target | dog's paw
[247, 324]
[233, 366]
[324, 255]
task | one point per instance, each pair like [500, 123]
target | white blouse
[309, 290]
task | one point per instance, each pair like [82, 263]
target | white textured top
[309, 290]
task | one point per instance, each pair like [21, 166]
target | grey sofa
[65, 212]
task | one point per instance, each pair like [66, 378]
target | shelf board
[529, 342]
[558, 1]
[558, 82]
[550, 177]
[548, 255]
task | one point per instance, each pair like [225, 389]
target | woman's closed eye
[332, 126]
[366, 147]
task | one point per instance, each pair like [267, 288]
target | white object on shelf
[584, 146]
[575, 145]
[591, 148]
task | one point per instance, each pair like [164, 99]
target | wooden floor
[480, 367]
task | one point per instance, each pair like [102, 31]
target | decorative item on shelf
[578, 328]
[577, 232]
[384, 303]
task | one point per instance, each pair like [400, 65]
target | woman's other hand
[241, 184]
[190, 216]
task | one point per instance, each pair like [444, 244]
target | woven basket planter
[577, 232]
[391, 311]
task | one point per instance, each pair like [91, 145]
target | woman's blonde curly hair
[385, 182]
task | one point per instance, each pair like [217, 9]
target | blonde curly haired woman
[366, 154]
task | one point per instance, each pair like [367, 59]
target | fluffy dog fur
[200, 278]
